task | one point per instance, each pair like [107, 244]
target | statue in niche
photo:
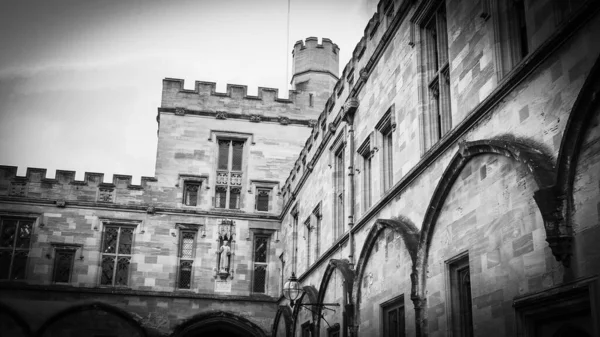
[226, 232]
[225, 255]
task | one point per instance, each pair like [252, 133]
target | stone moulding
[285, 312]
[343, 266]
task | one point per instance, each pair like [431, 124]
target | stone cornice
[132, 292]
[143, 208]
[284, 120]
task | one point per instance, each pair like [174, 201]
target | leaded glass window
[393, 319]
[259, 281]
[186, 259]
[190, 193]
[63, 265]
[460, 292]
[15, 236]
[116, 255]
[339, 179]
[229, 173]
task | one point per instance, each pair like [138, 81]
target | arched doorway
[222, 324]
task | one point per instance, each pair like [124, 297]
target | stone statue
[225, 251]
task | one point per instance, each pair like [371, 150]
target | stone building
[445, 183]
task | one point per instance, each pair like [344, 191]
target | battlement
[313, 43]
[204, 97]
[8, 176]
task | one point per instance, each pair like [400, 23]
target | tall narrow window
[229, 174]
[259, 278]
[366, 175]
[339, 191]
[511, 32]
[393, 318]
[262, 199]
[294, 239]
[186, 259]
[310, 100]
[460, 293]
[317, 230]
[438, 120]
[308, 230]
[15, 236]
[190, 193]
[116, 255]
[63, 264]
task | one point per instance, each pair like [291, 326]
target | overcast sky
[80, 81]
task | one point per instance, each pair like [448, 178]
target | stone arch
[96, 306]
[343, 266]
[202, 323]
[312, 294]
[285, 312]
[19, 324]
[578, 124]
[410, 236]
[538, 163]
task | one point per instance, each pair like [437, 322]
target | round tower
[315, 68]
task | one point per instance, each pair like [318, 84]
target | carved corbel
[221, 115]
[552, 204]
[332, 128]
[312, 123]
[61, 203]
[350, 109]
[179, 111]
[255, 118]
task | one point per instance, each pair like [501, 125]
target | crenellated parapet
[64, 186]
[236, 101]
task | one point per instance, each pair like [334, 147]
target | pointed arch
[95, 306]
[343, 266]
[16, 318]
[206, 319]
[285, 312]
[312, 294]
[409, 233]
[586, 104]
[539, 164]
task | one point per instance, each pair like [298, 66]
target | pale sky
[80, 81]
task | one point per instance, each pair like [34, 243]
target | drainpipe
[349, 110]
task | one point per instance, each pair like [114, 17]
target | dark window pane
[125, 240]
[234, 198]
[464, 293]
[260, 276]
[7, 237]
[223, 154]
[110, 240]
[260, 249]
[108, 268]
[220, 197]
[185, 274]
[122, 271]
[191, 194]
[18, 265]
[262, 200]
[5, 258]
[24, 235]
[62, 266]
[236, 161]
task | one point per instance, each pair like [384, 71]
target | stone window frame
[186, 229]
[367, 152]
[317, 213]
[18, 217]
[308, 228]
[263, 233]
[271, 186]
[72, 248]
[248, 139]
[338, 147]
[390, 305]
[125, 223]
[555, 302]
[184, 180]
[386, 128]
[435, 118]
[453, 267]
[507, 38]
[295, 219]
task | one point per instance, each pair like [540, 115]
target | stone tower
[315, 69]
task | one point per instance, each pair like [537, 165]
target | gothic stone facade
[446, 183]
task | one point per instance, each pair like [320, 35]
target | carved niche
[226, 239]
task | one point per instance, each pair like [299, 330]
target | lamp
[291, 289]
